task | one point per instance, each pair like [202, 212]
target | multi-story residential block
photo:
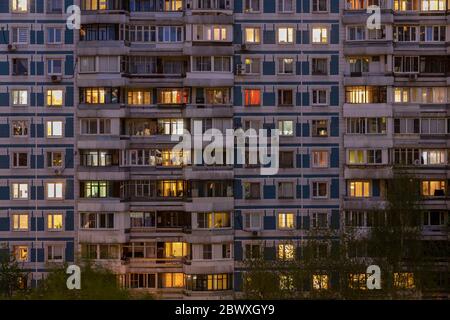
[288, 78]
[396, 112]
[36, 135]
[147, 71]
[87, 160]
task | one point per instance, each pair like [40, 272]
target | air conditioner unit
[58, 171]
[413, 76]
[56, 78]
[12, 47]
[255, 233]
[244, 47]
[417, 162]
[188, 4]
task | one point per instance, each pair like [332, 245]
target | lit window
[404, 280]
[285, 35]
[20, 221]
[320, 281]
[172, 280]
[138, 97]
[433, 5]
[356, 157]
[19, 6]
[359, 189]
[286, 127]
[54, 129]
[252, 35]
[357, 281]
[319, 159]
[285, 220]
[286, 282]
[54, 98]
[175, 249]
[432, 188]
[172, 96]
[20, 191]
[21, 253]
[54, 221]
[171, 5]
[433, 157]
[286, 251]
[54, 190]
[252, 97]
[319, 35]
[19, 97]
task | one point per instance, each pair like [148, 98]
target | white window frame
[19, 187]
[51, 123]
[19, 91]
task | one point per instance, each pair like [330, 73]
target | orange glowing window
[252, 97]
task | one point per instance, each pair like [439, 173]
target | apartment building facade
[99, 179]
[396, 115]
[37, 137]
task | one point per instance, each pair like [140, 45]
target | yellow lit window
[286, 251]
[173, 280]
[285, 35]
[252, 35]
[433, 188]
[286, 282]
[175, 249]
[19, 5]
[356, 157]
[20, 221]
[320, 281]
[222, 220]
[54, 129]
[404, 280]
[319, 35]
[217, 34]
[172, 158]
[138, 97]
[172, 96]
[54, 221]
[173, 5]
[54, 98]
[359, 189]
[21, 253]
[286, 220]
[358, 281]
[433, 5]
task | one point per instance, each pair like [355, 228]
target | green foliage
[11, 275]
[97, 283]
